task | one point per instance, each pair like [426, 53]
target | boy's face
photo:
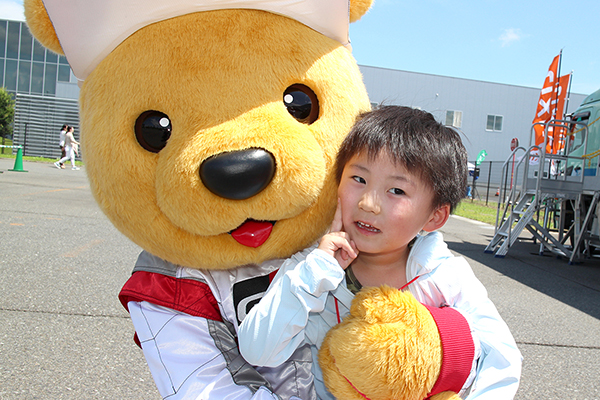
[384, 206]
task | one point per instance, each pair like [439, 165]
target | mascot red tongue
[252, 233]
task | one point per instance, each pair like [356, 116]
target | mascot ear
[358, 8]
[40, 25]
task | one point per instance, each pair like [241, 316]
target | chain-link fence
[485, 181]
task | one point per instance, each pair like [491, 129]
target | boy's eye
[359, 179]
[397, 191]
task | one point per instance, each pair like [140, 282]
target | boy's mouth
[366, 227]
[252, 233]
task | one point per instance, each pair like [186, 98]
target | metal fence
[38, 120]
[489, 183]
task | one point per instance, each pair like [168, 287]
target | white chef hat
[88, 30]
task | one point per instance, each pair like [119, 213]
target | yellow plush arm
[446, 396]
[387, 348]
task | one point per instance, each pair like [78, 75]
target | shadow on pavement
[576, 285]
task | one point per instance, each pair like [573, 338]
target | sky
[503, 41]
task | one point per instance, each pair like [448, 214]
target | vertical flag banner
[551, 106]
[558, 144]
[544, 109]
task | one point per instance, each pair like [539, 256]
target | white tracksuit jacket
[299, 308]
[186, 322]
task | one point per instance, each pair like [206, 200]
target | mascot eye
[302, 103]
[152, 130]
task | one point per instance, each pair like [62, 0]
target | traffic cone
[19, 161]
[497, 192]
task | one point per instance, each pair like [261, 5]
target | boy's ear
[358, 8]
[438, 218]
[40, 25]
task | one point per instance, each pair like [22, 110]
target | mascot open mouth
[252, 233]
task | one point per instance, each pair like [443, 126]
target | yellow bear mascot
[210, 130]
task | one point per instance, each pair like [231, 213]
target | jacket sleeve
[276, 326]
[194, 358]
[499, 365]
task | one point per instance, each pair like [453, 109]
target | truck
[555, 196]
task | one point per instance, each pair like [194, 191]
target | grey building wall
[38, 120]
[476, 99]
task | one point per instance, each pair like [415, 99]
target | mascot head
[210, 128]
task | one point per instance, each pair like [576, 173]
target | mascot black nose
[238, 175]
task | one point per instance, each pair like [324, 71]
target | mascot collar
[88, 30]
[458, 349]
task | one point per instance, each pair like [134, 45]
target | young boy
[400, 173]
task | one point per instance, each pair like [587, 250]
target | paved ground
[64, 335]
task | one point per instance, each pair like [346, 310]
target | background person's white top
[88, 30]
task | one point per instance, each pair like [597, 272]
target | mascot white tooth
[209, 130]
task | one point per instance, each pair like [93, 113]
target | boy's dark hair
[415, 140]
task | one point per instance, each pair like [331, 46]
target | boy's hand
[337, 243]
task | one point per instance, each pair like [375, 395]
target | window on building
[51, 57]
[454, 118]
[494, 123]
[24, 76]
[50, 80]
[10, 81]
[39, 52]
[64, 73]
[12, 42]
[26, 45]
[2, 37]
[37, 78]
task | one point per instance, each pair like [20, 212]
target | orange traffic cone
[497, 192]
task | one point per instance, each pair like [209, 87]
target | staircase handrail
[509, 199]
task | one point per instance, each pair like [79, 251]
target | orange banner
[559, 134]
[545, 109]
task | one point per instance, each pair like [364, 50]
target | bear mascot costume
[209, 130]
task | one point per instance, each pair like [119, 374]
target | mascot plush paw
[210, 129]
[391, 347]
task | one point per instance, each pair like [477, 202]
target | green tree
[7, 113]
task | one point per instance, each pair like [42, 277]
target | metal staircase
[548, 186]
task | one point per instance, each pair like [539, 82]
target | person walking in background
[61, 142]
[70, 144]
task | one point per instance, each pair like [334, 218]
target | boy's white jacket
[299, 308]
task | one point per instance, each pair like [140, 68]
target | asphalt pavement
[64, 334]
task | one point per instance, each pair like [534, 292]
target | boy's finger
[336, 225]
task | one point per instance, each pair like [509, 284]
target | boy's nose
[370, 202]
